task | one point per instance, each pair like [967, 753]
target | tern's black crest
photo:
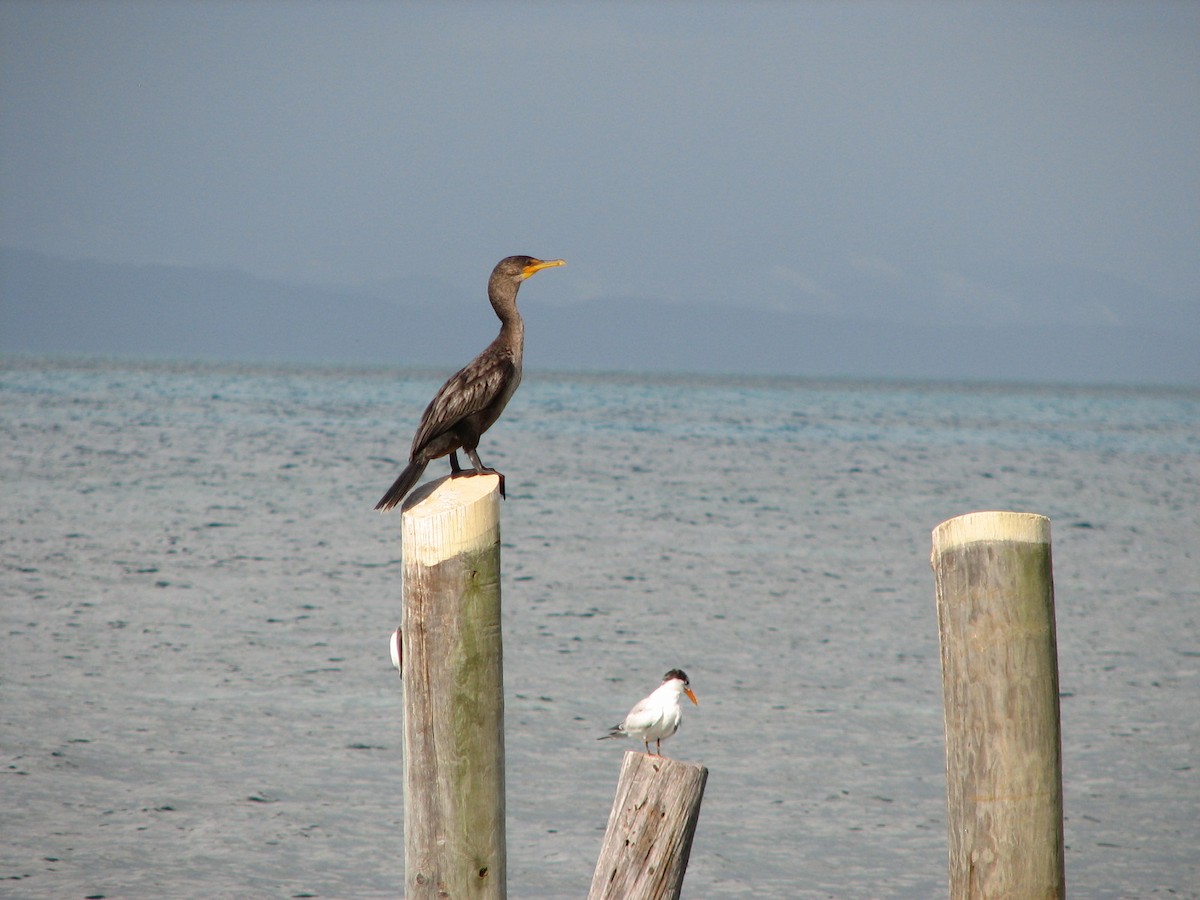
[677, 673]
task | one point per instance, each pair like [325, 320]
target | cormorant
[471, 401]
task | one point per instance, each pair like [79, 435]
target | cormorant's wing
[467, 392]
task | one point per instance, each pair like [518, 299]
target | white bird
[658, 716]
[396, 648]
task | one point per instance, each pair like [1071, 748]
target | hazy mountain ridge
[57, 306]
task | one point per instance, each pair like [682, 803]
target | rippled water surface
[196, 597]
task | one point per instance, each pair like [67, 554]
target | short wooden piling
[454, 839]
[649, 837]
[995, 603]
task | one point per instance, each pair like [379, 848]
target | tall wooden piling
[454, 840]
[995, 603]
[649, 836]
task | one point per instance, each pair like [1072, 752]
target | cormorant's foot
[467, 473]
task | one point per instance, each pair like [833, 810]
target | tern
[657, 716]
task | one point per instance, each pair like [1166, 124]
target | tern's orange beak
[537, 265]
[691, 696]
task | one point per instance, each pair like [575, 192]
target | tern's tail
[617, 731]
[402, 485]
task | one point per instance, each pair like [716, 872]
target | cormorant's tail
[402, 485]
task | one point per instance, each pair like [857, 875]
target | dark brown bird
[471, 401]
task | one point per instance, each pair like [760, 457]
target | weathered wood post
[995, 603]
[650, 829]
[454, 843]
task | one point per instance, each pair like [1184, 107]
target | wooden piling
[454, 839]
[995, 603]
[649, 837]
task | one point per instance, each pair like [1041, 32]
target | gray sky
[804, 156]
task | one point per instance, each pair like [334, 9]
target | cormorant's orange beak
[538, 264]
[691, 696]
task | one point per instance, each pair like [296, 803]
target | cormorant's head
[522, 267]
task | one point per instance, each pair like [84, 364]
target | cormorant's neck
[503, 294]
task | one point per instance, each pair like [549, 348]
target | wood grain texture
[995, 603]
[650, 829]
[454, 838]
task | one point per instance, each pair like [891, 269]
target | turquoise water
[198, 701]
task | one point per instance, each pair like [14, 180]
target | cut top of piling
[449, 517]
[976, 527]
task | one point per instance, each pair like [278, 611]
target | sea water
[197, 699]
